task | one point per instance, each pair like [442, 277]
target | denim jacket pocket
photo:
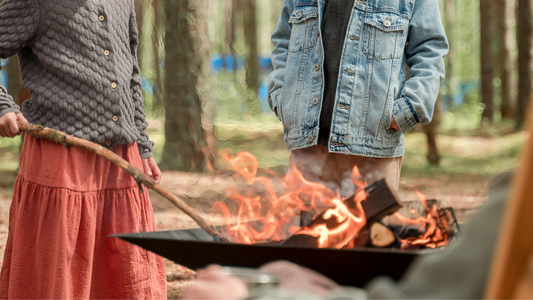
[304, 20]
[385, 35]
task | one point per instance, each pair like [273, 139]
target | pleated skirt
[65, 204]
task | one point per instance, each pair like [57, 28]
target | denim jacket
[383, 38]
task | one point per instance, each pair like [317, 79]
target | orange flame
[435, 225]
[348, 224]
[265, 216]
[273, 214]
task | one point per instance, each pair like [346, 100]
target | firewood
[302, 240]
[381, 236]
[381, 200]
[139, 176]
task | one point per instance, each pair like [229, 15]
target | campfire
[373, 216]
[350, 239]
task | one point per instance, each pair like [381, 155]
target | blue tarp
[4, 79]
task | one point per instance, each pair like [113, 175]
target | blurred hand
[211, 283]
[8, 124]
[394, 125]
[298, 278]
[151, 169]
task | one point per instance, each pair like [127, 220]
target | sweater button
[106, 52]
[101, 18]
[115, 118]
[108, 143]
[315, 101]
[114, 85]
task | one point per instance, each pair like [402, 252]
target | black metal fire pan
[195, 249]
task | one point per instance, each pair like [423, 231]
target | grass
[8, 153]
[463, 156]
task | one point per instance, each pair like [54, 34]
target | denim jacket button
[299, 15]
[317, 33]
[317, 67]
[310, 137]
[315, 101]
[387, 23]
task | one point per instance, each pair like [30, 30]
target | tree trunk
[186, 86]
[525, 60]
[431, 132]
[139, 13]
[157, 32]
[14, 80]
[15, 87]
[487, 59]
[450, 20]
[248, 8]
[229, 23]
[506, 25]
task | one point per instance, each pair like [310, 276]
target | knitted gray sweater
[79, 62]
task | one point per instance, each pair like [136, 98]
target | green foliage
[9, 149]
[464, 37]
[464, 117]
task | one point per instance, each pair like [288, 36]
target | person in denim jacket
[340, 84]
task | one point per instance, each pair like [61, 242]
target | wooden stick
[40, 131]
[509, 276]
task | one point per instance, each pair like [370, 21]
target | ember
[338, 223]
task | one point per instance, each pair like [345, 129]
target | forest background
[205, 66]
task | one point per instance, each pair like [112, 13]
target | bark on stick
[40, 131]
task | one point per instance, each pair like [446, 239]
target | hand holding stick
[42, 132]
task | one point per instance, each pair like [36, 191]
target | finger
[7, 129]
[277, 266]
[214, 268]
[146, 167]
[2, 132]
[13, 127]
[209, 272]
[157, 178]
[20, 117]
[155, 170]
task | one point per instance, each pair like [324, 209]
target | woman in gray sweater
[79, 62]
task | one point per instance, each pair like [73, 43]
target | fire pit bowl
[194, 248]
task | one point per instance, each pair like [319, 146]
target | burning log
[376, 201]
[139, 176]
[381, 201]
[381, 236]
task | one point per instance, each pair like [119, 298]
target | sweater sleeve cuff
[146, 155]
[14, 109]
[145, 149]
[404, 114]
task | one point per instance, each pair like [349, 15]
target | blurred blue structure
[4, 78]
[229, 64]
[464, 89]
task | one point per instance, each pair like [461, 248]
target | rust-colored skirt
[65, 204]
